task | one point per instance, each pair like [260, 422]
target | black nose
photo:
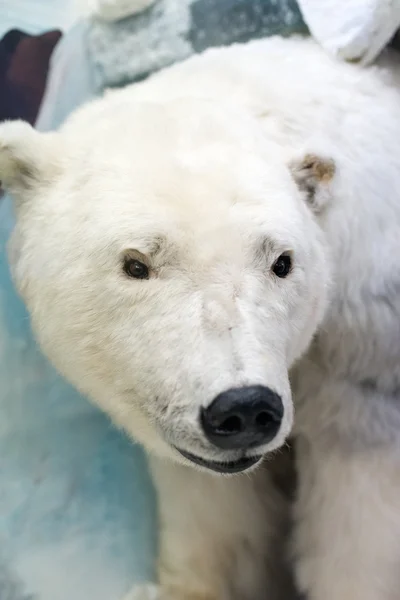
[243, 418]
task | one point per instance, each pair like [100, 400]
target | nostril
[263, 419]
[231, 425]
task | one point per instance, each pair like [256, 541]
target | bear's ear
[27, 158]
[313, 175]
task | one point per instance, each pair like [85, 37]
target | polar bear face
[172, 269]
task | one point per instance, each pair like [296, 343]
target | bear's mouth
[226, 467]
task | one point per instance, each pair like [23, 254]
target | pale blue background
[36, 16]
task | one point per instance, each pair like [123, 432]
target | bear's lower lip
[233, 466]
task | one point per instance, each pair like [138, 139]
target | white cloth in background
[353, 30]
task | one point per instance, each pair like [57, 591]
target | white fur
[205, 170]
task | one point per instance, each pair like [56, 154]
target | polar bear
[203, 251]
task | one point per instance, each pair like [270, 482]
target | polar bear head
[174, 270]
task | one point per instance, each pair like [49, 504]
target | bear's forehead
[189, 180]
[188, 171]
[175, 197]
[112, 205]
[162, 124]
[169, 144]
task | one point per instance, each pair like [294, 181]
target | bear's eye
[282, 266]
[136, 269]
